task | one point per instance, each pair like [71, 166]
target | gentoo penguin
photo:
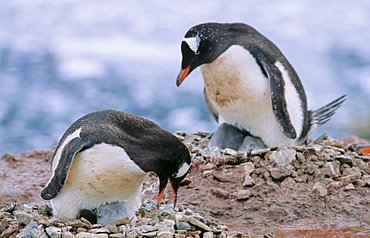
[250, 88]
[104, 157]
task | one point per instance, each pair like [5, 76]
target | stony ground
[318, 190]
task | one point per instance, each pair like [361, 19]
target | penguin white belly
[99, 175]
[240, 93]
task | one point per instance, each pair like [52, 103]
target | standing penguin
[104, 157]
[250, 88]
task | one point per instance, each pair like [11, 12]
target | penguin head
[173, 169]
[203, 44]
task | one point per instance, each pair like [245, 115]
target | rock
[145, 229]
[279, 174]
[248, 181]
[229, 151]
[213, 152]
[23, 217]
[366, 178]
[345, 159]
[248, 168]
[183, 226]
[77, 223]
[355, 171]
[332, 169]
[219, 193]
[259, 151]
[68, 234]
[209, 166]
[86, 235]
[288, 183]
[10, 208]
[123, 221]
[282, 157]
[199, 224]
[350, 175]
[229, 173]
[349, 187]
[335, 185]
[242, 194]
[320, 190]
[118, 235]
[54, 232]
[208, 234]
[360, 183]
[99, 230]
[165, 234]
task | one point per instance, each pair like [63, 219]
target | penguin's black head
[203, 44]
[174, 170]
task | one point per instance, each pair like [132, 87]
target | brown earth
[306, 202]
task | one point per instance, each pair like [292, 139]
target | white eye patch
[182, 170]
[193, 43]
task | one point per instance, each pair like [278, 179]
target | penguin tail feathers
[320, 116]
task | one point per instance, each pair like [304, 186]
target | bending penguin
[250, 88]
[102, 160]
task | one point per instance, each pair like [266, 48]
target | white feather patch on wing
[292, 98]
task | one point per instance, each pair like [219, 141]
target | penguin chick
[104, 158]
[249, 84]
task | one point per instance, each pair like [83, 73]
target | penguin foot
[228, 136]
[88, 215]
[252, 142]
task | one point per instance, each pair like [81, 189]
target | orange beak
[183, 74]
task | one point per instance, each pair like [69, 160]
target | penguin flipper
[60, 173]
[211, 108]
[277, 92]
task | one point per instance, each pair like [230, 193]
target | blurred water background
[62, 59]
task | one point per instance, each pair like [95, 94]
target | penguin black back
[147, 144]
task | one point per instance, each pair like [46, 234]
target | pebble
[320, 190]
[349, 187]
[181, 225]
[259, 151]
[288, 183]
[229, 173]
[335, 185]
[345, 159]
[248, 181]
[199, 224]
[164, 234]
[279, 174]
[220, 193]
[23, 217]
[282, 157]
[242, 194]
